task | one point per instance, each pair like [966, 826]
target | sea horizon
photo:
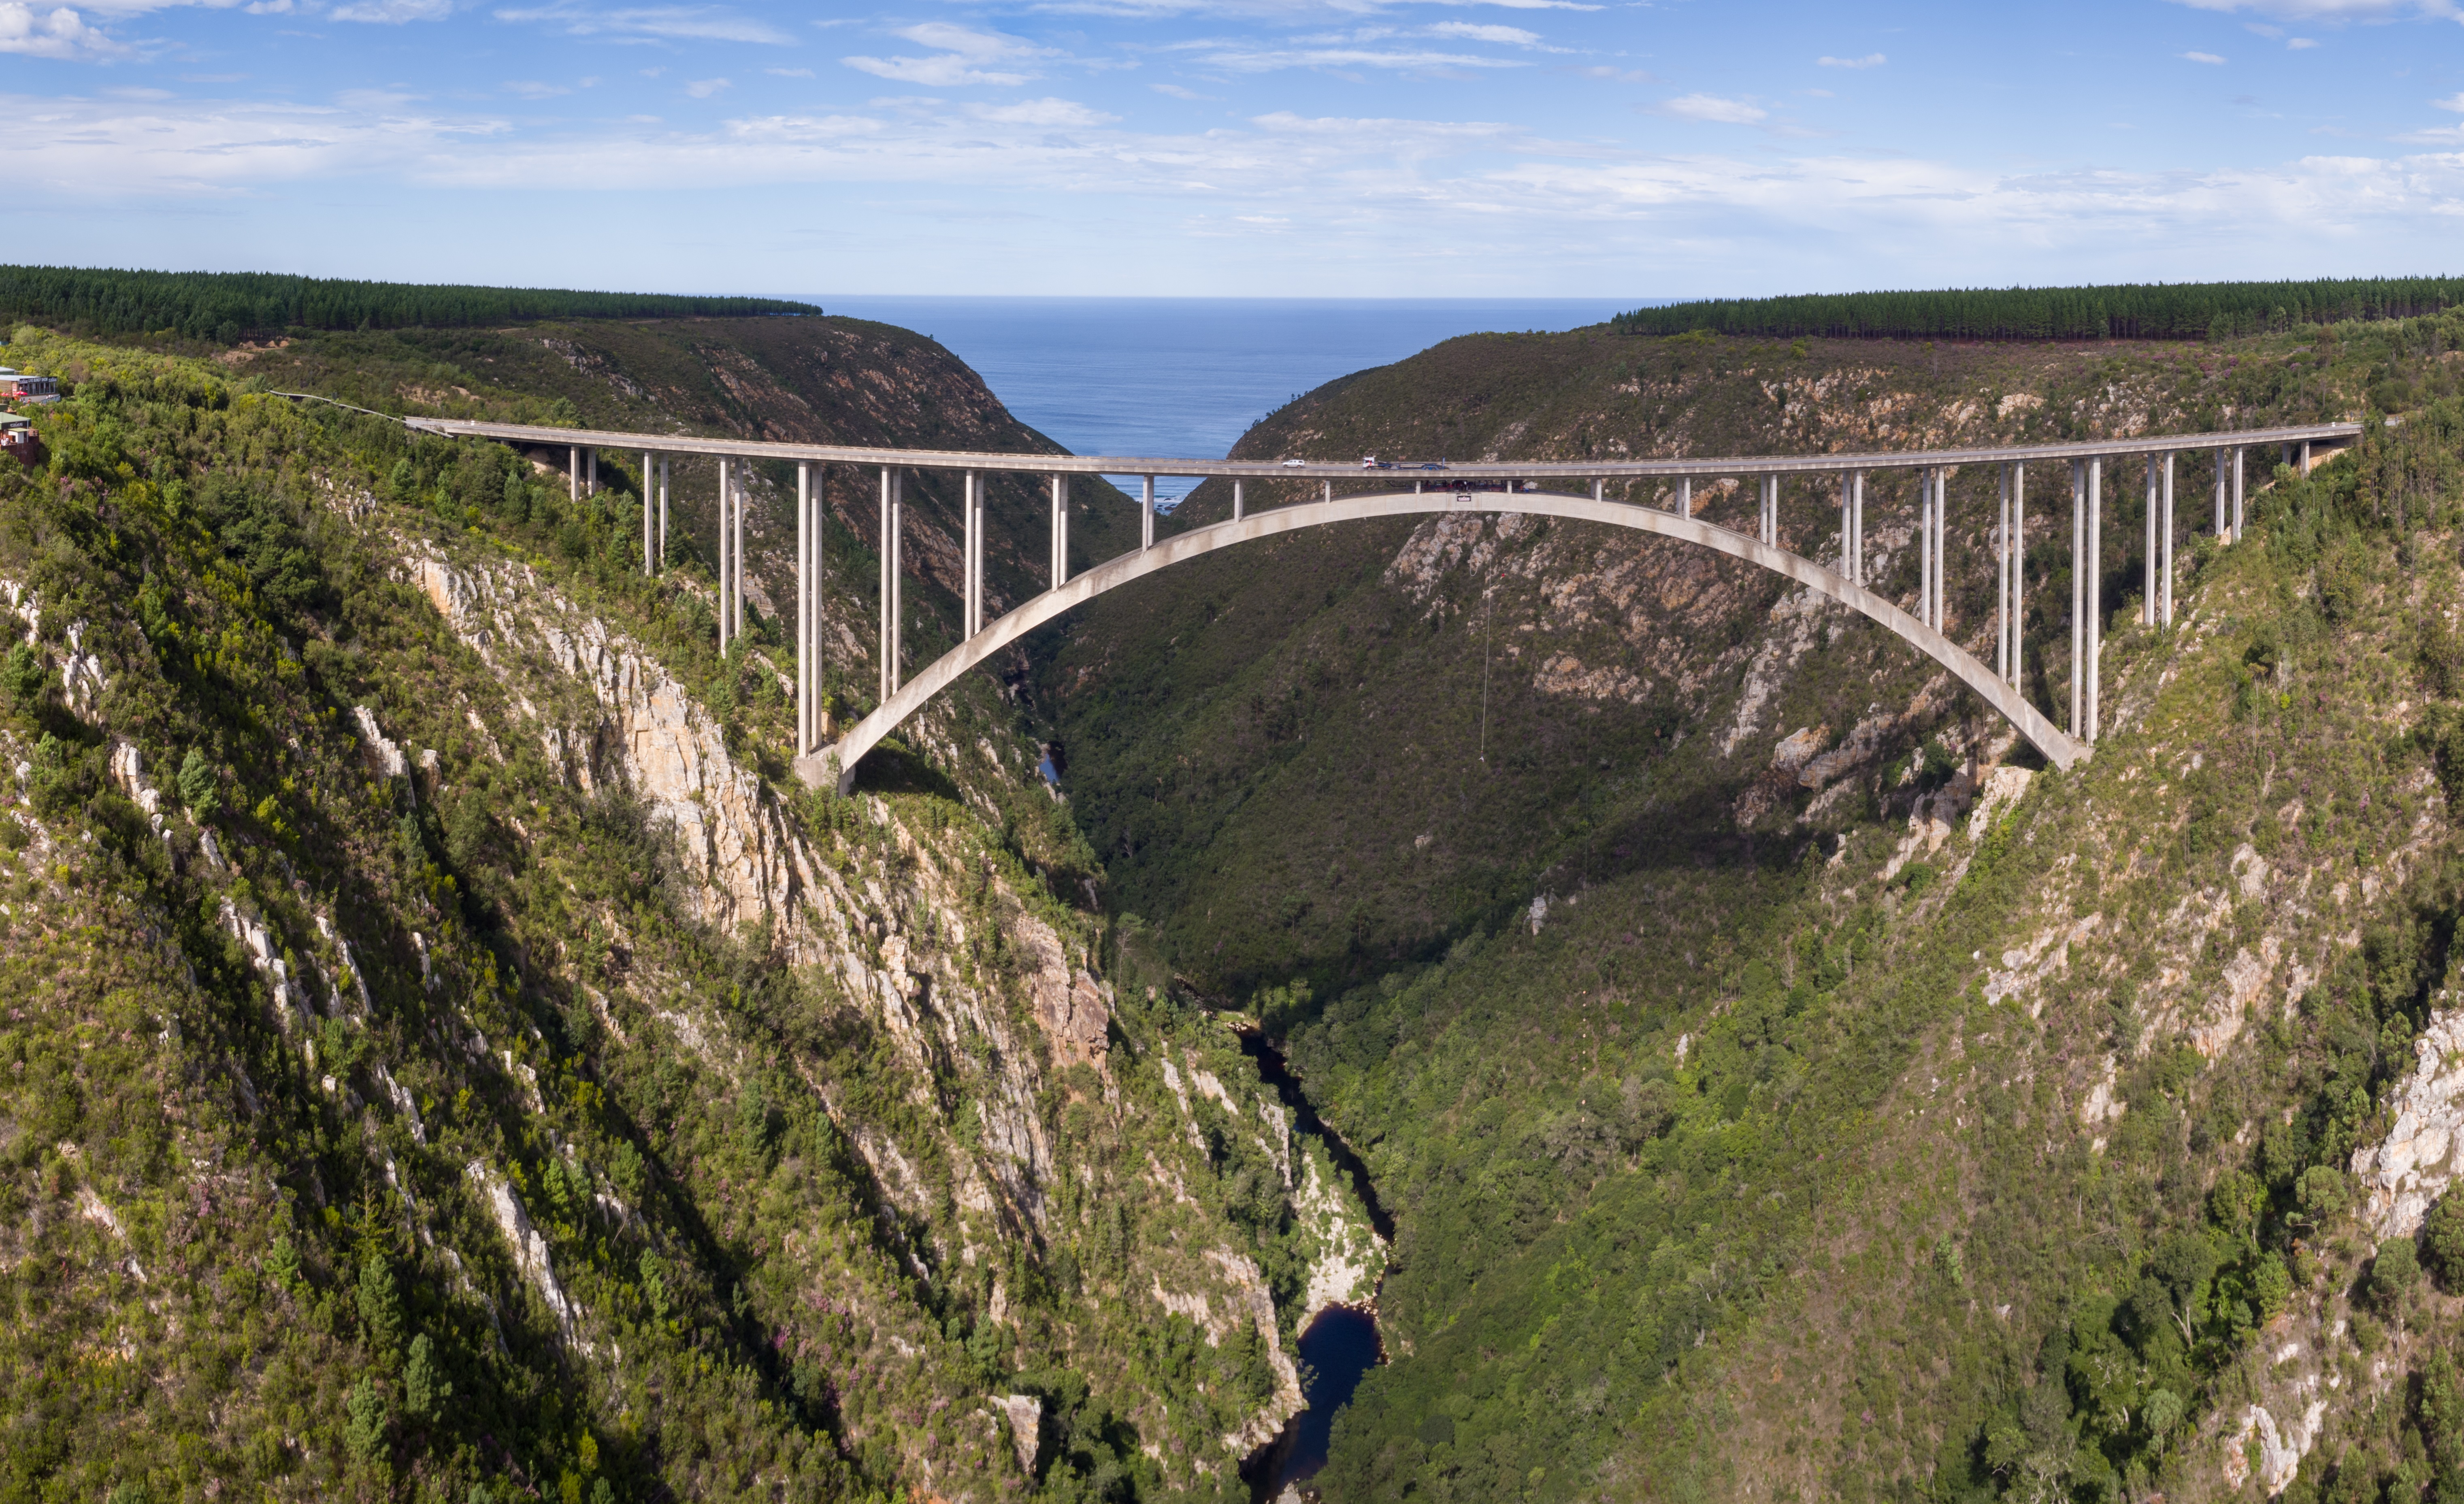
[1185, 376]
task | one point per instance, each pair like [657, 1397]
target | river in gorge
[1340, 1343]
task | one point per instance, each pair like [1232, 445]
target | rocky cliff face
[510, 1077]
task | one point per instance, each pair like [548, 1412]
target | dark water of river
[1340, 1346]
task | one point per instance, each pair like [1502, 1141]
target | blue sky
[1238, 147]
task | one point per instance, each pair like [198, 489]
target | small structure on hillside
[17, 437]
[18, 387]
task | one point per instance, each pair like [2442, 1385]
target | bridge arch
[837, 764]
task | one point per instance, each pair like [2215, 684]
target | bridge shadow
[892, 767]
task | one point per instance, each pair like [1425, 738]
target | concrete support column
[971, 559]
[2224, 529]
[1238, 511]
[2237, 492]
[1061, 527]
[1847, 536]
[573, 473]
[2079, 598]
[2165, 608]
[1940, 548]
[1327, 492]
[2094, 590]
[1145, 513]
[736, 552]
[590, 463]
[2018, 571]
[725, 578]
[649, 484]
[2002, 578]
[1856, 524]
[2147, 590]
[804, 609]
[1686, 495]
[1924, 547]
[663, 512]
[1599, 489]
[2305, 456]
[891, 505]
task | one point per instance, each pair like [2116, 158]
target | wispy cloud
[2209, 58]
[962, 56]
[2331, 10]
[1712, 108]
[661, 23]
[1052, 114]
[1474, 32]
[392, 12]
[1236, 58]
[790, 73]
[1176, 91]
[1869, 61]
[704, 88]
[2453, 101]
[2301, 44]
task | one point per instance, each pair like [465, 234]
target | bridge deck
[1271, 469]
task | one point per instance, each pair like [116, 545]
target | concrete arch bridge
[1577, 490]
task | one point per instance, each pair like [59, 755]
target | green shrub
[2442, 1240]
[2393, 1275]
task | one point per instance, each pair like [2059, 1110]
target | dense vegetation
[2158, 311]
[433, 1132]
[1736, 1136]
[227, 306]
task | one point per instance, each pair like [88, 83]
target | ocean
[1182, 378]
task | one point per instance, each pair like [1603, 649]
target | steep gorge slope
[1778, 1084]
[447, 1059]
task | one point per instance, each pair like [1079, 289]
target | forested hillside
[225, 307]
[447, 1059]
[2218, 311]
[1780, 1082]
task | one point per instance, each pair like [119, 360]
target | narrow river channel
[1340, 1343]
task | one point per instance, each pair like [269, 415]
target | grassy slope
[1610, 1257]
[235, 1260]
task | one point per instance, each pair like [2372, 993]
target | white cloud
[2453, 101]
[1617, 75]
[393, 13]
[2301, 44]
[1472, 32]
[1406, 59]
[963, 57]
[704, 88]
[664, 23]
[1176, 91]
[1055, 113]
[1713, 109]
[1817, 94]
[790, 73]
[1869, 61]
[61, 33]
[2331, 10]
[2209, 58]
[530, 89]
